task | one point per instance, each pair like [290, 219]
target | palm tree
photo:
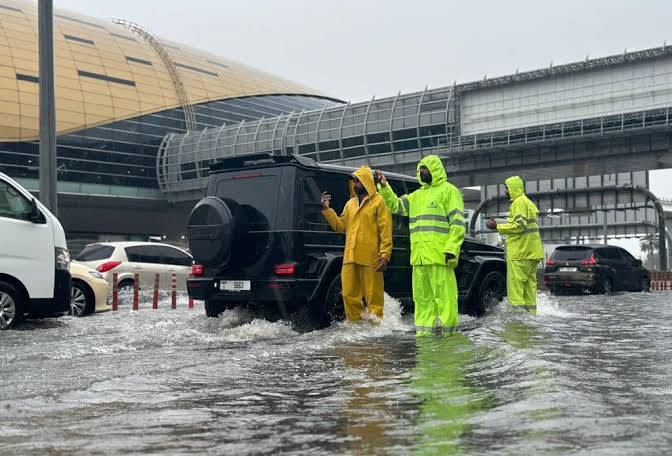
[649, 244]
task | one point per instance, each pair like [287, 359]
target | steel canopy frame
[662, 232]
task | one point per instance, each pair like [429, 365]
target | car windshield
[95, 252]
[572, 253]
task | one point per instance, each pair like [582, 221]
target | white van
[34, 259]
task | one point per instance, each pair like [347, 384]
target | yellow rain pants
[435, 296]
[362, 282]
[521, 284]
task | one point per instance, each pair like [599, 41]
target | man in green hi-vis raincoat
[524, 250]
[437, 225]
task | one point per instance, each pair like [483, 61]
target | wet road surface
[588, 375]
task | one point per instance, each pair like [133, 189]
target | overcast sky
[354, 49]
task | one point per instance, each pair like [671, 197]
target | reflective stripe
[457, 211]
[458, 222]
[405, 203]
[525, 306]
[435, 229]
[534, 229]
[437, 218]
[446, 330]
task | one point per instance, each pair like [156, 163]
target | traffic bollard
[173, 300]
[136, 286]
[115, 291]
[191, 302]
[155, 302]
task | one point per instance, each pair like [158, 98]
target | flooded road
[588, 375]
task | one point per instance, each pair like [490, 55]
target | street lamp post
[48, 194]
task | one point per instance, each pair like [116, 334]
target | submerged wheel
[645, 285]
[11, 306]
[490, 293]
[606, 287]
[323, 311]
[82, 300]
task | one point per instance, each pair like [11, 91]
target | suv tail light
[107, 266]
[590, 261]
[550, 262]
[197, 270]
[284, 269]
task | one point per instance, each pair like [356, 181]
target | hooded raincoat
[524, 249]
[368, 238]
[437, 225]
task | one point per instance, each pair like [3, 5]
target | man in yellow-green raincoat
[524, 250]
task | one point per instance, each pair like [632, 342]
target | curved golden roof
[105, 73]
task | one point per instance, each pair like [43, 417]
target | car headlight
[95, 274]
[62, 259]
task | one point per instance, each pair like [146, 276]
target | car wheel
[645, 285]
[606, 287]
[11, 306]
[333, 301]
[490, 293]
[323, 311]
[125, 287]
[82, 300]
[214, 309]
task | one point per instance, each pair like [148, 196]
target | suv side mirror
[35, 215]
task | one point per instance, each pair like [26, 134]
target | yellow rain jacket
[367, 227]
[523, 241]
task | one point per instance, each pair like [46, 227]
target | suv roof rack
[244, 161]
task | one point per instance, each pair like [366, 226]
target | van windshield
[572, 253]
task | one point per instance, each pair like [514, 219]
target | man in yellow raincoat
[436, 223]
[367, 224]
[524, 250]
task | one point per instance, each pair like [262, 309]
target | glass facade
[124, 152]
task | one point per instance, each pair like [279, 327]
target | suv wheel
[645, 285]
[321, 312]
[11, 306]
[490, 292]
[606, 287]
[214, 309]
[333, 300]
[82, 300]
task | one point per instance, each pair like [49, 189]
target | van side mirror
[35, 215]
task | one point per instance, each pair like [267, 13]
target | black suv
[595, 269]
[259, 239]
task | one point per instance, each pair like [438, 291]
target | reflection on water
[448, 399]
[587, 375]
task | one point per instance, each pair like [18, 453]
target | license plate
[235, 285]
[567, 269]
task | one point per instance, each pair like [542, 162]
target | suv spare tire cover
[210, 232]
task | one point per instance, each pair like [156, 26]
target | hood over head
[435, 166]
[516, 186]
[365, 176]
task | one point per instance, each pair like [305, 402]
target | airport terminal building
[119, 92]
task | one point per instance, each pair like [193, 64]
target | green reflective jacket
[523, 241]
[435, 214]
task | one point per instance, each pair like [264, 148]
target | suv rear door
[630, 273]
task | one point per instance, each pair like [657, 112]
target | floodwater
[588, 375]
